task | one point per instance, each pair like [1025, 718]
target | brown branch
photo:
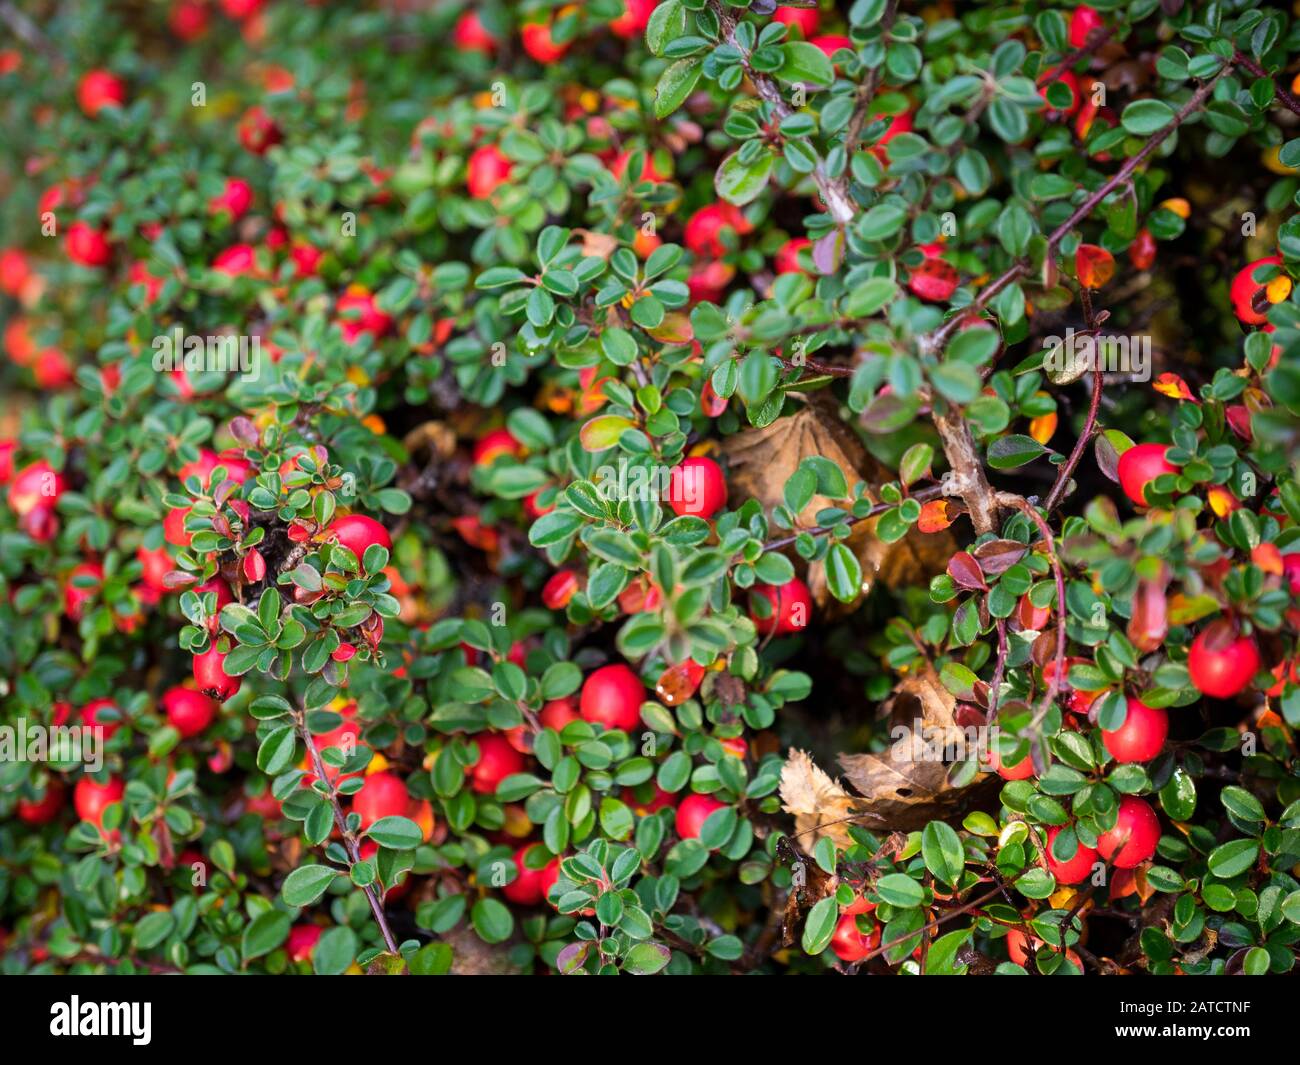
[349, 840]
[1090, 425]
[1283, 96]
[837, 202]
[966, 478]
[866, 92]
[935, 341]
[923, 495]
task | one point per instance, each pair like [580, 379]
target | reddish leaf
[963, 569]
[1093, 265]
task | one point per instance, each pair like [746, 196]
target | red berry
[493, 444]
[790, 607]
[1221, 662]
[1082, 23]
[488, 169]
[635, 18]
[359, 313]
[934, 280]
[1139, 466]
[258, 131]
[558, 713]
[705, 227]
[302, 941]
[93, 711]
[1133, 839]
[561, 588]
[189, 712]
[1076, 869]
[697, 487]
[77, 593]
[787, 257]
[239, 260]
[382, 795]
[538, 43]
[1021, 770]
[1246, 290]
[530, 886]
[174, 527]
[850, 945]
[1141, 736]
[44, 810]
[98, 89]
[612, 696]
[90, 800]
[357, 532]
[236, 466]
[470, 35]
[831, 43]
[189, 19]
[496, 761]
[86, 246]
[235, 199]
[693, 811]
[1142, 252]
[210, 673]
[805, 18]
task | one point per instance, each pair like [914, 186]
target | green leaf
[942, 851]
[264, 933]
[807, 64]
[1008, 452]
[820, 925]
[396, 833]
[646, 959]
[675, 84]
[492, 921]
[1144, 117]
[306, 884]
[1233, 858]
[843, 573]
[739, 182]
[335, 951]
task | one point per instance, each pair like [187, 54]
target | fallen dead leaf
[818, 803]
[760, 461]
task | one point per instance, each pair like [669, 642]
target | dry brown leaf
[597, 245]
[760, 461]
[903, 793]
[818, 803]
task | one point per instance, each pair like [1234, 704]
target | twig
[1286, 98]
[866, 93]
[837, 202]
[1090, 425]
[349, 840]
[935, 341]
[923, 495]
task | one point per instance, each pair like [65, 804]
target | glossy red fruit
[382, 795]
[45, 809]
[530, 886]
[357, 532]
[470, 35]
[258, 131]
[693, 811]
[236, 466]
[558, 713]
[612, 696]
[82, 586]
[1245, 292]
[357, 313]
[696, 487]
[102, 714]
[1133, 839]
[1067, 78]
[210, 674]
[302, 941]
[99, 89]
[86, 246]
[787, 256]
[705, 228]
[1021, 770]
[1082, 24]
[496, 761]
[805, 18]
[1142, 252]
[1221, 662]
[90, 800]
[1139, 466]
[1142, 735]
[188, 19]
[850, 945]
[858, 905]
[1018, 950]
[560, 589]
[495, 443]
[488, 169]
[934, 280]
[831, 43]
[1076, 869]
[634, 20]
[790, 607]
[190, 712]
[234, 199]
[174, 527]
[239, 260]
[538, 42]
[1291, 572]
